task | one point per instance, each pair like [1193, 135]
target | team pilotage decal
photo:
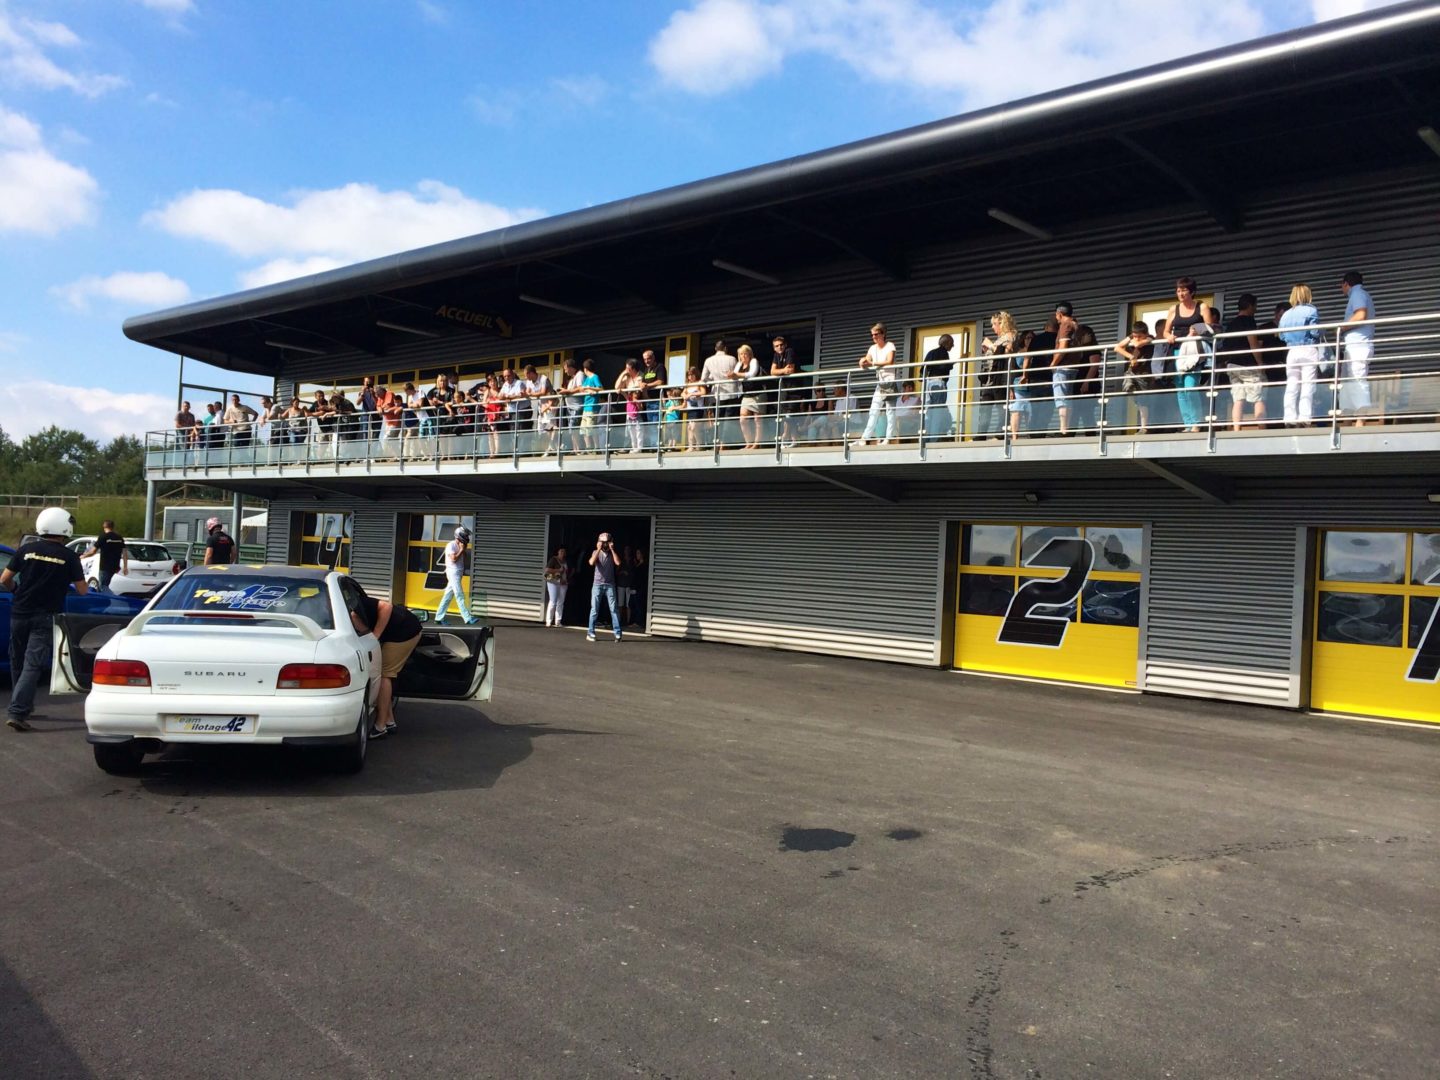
[1022, 625]
[1425, 667]
[250, 598]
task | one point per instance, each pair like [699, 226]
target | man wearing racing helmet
[454, 573]
[220, 547]
[44, 568]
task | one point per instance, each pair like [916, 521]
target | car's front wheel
[119, 759]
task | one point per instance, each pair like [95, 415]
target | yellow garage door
[1376, 646]
[322, 540]
[1054, 601]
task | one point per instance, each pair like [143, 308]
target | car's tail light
[313, 677]
[120, 673]
[176, 568]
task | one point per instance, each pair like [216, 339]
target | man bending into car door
[398, 631]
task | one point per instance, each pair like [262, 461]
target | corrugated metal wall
[806, 570]
[277, 533]
[372, 549]
[509, 558]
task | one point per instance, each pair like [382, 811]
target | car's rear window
[243, 594]
[147, 552]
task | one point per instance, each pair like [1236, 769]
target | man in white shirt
[719, 374]
[238, 418]
[517, 408]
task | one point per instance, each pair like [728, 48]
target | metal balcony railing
[1086, 395]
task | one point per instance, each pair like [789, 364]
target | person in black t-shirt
[935, 371]
[220, 546]
[791, 394]
[398, 631]
[113, 556]
[45, 569]
[1242, 358]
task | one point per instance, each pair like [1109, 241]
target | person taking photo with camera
[604, 560]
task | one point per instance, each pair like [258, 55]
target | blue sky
[159, 151]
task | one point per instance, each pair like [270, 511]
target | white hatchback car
[250, 655]
[147, 566]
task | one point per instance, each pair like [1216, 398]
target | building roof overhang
[1212, 131]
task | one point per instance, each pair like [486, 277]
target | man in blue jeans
[45, 568]
[604, 560]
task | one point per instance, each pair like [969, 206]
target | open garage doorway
[578, 533]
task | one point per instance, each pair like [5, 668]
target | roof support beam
[371, 343]
[658, 492]
[329, 489]
[1214, 202]
[494, 492]
[647, 292]
[887, 259]
[878, 490]
[1211, 489]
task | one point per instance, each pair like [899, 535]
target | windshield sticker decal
[250, 598]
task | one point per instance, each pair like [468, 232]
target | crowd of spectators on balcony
[1056, 380]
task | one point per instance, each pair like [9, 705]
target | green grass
[127, 511]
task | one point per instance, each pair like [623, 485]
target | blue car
[92, 603]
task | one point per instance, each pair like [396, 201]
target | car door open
[76, 640]
[452, 663]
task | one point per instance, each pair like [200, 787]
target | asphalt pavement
[663, 859]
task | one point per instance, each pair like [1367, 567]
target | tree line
[59, 461]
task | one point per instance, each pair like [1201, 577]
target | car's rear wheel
[350, 758]
[119, 759]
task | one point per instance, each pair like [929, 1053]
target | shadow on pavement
[31, 1044]
[438, 747]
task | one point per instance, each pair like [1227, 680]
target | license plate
[211, 725]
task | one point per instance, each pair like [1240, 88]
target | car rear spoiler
[306, 625]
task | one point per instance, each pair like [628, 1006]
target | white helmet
[462, 534]
[55, 521]
[212, 524]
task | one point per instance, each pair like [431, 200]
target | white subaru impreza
[253, 655]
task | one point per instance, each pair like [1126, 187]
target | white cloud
[169, 7]
[31, 406]
[316, 230]
[287, 270]
[969, 55]
[39, 193]
[587, 90]
[497, 110]
[10, 341]
[25, 58]
[433, 13]
[18, 132]
[1338, 9]
[721, 44]
[147, 289]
